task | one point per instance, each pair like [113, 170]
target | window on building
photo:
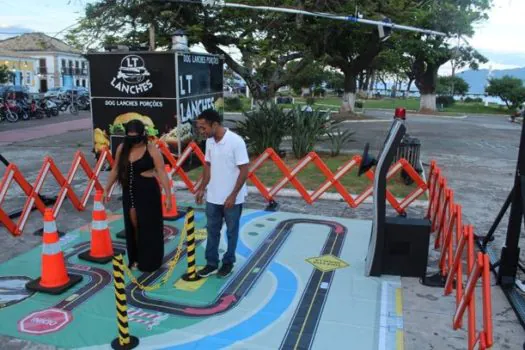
[83, 82]
[63, 63]
[42, 69]
[28, 78]
[78, 83]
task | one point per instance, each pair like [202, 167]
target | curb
[285, 192]
[367, 121]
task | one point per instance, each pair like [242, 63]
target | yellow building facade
[23, 67]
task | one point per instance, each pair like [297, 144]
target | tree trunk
[372, 84]
[426, 81]
[349, 93]
[427, 103]
[361, 79]
[366, 86]
[409, 85]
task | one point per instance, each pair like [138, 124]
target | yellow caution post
[124, 339]
[189, 226]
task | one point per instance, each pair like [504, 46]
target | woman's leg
[135, 226]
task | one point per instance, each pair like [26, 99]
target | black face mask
[133, 140]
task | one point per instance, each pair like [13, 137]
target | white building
[59, 65]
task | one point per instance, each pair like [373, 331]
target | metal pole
[315, 14]
[496, 222]
[511, 251]
[3, 160]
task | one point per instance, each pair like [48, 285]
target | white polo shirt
[225, 156]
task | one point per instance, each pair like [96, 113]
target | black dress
[144, 194]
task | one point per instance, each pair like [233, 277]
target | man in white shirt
[224, 181]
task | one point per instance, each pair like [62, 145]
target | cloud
[9, 31]
[502, 32]
[499, 38]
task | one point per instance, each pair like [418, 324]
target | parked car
[13, 92]
[63, 92]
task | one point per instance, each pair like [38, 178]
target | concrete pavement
[477, 154]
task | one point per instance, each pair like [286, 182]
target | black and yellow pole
[191, 273]
[124, 339]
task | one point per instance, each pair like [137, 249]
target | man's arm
[241, 179]
[205, 176]
[243, 162]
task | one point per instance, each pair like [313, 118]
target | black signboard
[200, 84]
[146, 86]
[127, 75]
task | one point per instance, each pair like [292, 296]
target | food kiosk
[165, 90]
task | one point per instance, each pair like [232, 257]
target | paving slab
[477, 154]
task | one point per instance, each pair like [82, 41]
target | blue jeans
[215, 214]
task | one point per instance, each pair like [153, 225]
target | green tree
[509, 89]
[263, 39]
[351, 47]
[313, 74]
[429, 53]
[4, 74]
[334, 80]
[452, 86]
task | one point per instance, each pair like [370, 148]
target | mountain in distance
[477, 79]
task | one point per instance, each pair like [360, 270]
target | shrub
[445, 101]
[233, 103]
[306, 129]
[319, 92]
[337, 139]
[264, 128]
[473, 100]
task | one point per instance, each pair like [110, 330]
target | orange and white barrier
[289, 176]
[12, 173]
[455, 240]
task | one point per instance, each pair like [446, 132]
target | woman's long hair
[123, 164]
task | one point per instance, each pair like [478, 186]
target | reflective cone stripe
[101, 245]
[54, 273]
[98, 206]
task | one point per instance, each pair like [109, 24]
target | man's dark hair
[211, 116]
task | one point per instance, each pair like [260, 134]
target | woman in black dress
[139, 167]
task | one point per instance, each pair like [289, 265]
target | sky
[500, 38]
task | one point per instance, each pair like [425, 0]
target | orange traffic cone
[173, 214]
[54, 277]
[101, 250]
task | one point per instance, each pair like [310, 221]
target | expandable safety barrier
[452, 237]
[290, 176]
[12, 173]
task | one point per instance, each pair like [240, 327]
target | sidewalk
[41, 131]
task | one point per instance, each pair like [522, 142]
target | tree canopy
[509, 89]
[276, 49]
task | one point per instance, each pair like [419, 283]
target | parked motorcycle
[7, 111]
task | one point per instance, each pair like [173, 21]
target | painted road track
[241, 283]
[302, 329]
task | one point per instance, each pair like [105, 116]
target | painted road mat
[298, 284]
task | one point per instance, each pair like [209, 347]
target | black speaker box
[405, 250]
